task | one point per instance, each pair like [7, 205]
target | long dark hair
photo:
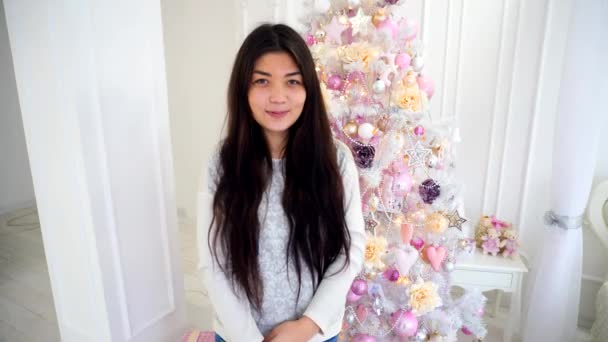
[313, 199]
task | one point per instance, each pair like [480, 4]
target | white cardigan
[233, 320]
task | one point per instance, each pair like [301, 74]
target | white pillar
[91, 82]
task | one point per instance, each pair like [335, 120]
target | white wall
[200, 44]
[16, 189]
[497, 67]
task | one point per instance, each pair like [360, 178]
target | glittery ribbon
[564, 222]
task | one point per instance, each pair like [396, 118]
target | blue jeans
[218, 338]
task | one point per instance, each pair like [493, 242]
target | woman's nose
[278, 94]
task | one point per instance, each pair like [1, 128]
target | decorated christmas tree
[370, 64]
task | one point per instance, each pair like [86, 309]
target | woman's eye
[260, 81]
[294, 82]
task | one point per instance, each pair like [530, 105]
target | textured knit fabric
[280, 302]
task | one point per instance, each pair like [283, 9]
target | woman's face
[276, 93]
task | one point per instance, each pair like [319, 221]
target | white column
[91, 82]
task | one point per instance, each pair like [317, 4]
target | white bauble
[379, 87]
[417, 63]
[432, 161]
[366, 131]
[397, 141]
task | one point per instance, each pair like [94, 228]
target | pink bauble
[363, 338]
[403, 60]
[361, 312]
[426, 85]
[411, 29]
[419, 130]
[466, 331]
[387, 188]
[359, 287]
[352, 297]
[402, 184]
[310, 39]
[399, 166]
[417, 243]
[334, 82]
[347, 36]
[390, 27]
[356, 76]
[391, 274]
[365, 202]
[405, 323]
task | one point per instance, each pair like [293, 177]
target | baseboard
[583, 335]
[16, 206]
[585, 322]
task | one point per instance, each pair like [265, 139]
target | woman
[281, 233]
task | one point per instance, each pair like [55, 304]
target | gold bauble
[351, 128]
[320, 35]
[410, 79]
[422, 254]
[436, 223]
[382, 124]
[436, 150]
[403, 280]
[374, 201]
[418, 216]
[378, 17]
[321, 73]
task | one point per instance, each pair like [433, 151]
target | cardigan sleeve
[232, 310]
[327, 305]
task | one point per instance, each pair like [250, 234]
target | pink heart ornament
[407, 231]
[405, 258]
[436, 256]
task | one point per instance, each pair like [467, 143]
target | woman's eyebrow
[264, 73]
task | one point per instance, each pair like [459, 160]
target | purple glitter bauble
[364, 155]
[391, 2]
[429, 191]
[391, 274]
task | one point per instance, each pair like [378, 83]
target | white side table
[486, 272]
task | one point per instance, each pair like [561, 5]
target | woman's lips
[277, 114]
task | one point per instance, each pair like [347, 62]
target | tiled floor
[27, 312]
[26, 304]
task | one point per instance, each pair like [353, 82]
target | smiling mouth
[277, 113]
